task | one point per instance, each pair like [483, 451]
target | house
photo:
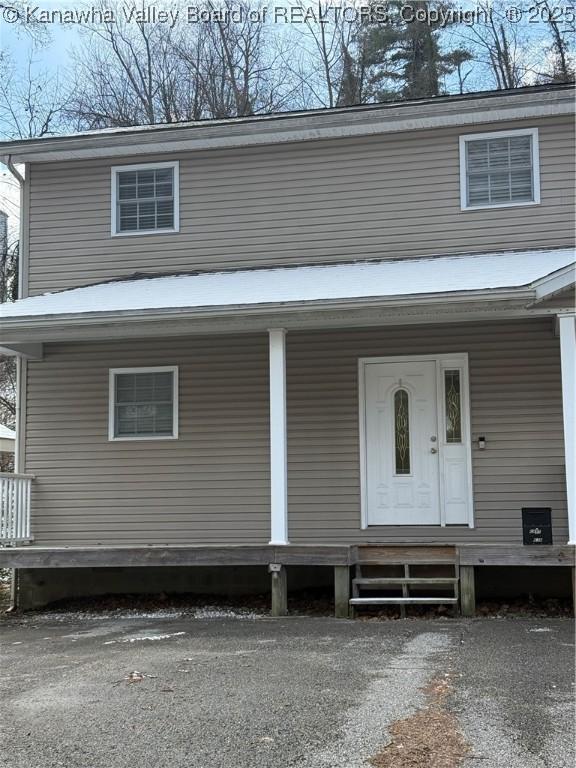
[341, 338]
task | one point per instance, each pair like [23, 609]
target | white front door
[401, 450]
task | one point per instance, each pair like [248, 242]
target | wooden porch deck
[31, 556]
[342, 558]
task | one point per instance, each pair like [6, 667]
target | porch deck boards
[172, 555]
[31, 556]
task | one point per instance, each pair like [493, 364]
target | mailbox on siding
[537, 525]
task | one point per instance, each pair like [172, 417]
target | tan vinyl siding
[516, 403]
[388, 196]
[212, 484]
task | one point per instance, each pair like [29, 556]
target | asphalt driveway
[177, 691]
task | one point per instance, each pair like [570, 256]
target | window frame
[113, 372]
[463, 141]
[116, 169]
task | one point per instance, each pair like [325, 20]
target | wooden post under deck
[279, 590]
[467, 590]
[341, 591]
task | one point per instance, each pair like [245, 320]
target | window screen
[145, 200]
[144, 404]
[499, 171]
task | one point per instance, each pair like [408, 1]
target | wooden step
[403, 600]
[390, 580]
[367, 554]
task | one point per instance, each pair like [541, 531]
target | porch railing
[14, 508]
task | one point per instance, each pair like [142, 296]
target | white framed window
[145, 199]
[499, 169]
[143, 403]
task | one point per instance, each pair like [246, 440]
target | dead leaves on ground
[430, 738]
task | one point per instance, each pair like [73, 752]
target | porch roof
[485, 277]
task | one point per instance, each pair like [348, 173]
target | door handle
[433, 450]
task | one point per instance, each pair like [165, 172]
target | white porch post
[567, 325]
[278, 440]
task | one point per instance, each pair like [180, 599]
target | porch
[345, 560]
[270, 464]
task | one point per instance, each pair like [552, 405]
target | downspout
[14, 171]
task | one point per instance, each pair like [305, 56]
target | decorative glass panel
[453, 406]
[402, 432]
[145, 200]
[144, 404]
[499, 171]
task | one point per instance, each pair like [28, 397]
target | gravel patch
[394, 693]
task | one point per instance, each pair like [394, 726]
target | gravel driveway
[255, 692]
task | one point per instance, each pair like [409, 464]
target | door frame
[443, 362]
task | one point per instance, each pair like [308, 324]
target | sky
[55, 55]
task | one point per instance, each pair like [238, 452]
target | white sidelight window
[499, 169]
[143, 403]
[145, 199]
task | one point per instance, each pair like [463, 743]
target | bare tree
[128, 74]
[235, 65]
[139, 72]
[15, 13]
[500, 46]
[559, 45]
[32, 101]
[331, 62]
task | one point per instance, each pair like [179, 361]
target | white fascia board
[274, 129]
[415, 300]
[249, 324]
[555, 283]
[258, 318]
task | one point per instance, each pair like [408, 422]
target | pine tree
[410, 54]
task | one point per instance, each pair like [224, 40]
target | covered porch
[273, 454]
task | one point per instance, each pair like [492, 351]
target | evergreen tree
[408, 53]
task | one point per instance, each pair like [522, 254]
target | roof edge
[9, 324]
[462, 110]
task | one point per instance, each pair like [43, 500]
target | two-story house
[331, 338]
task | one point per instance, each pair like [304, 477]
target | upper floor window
[145, 198]
[499, 169]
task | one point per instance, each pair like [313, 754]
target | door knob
[433, 438]
[433, 450]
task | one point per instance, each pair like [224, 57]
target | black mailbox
[537, 525]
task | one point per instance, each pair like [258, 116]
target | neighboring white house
[9, 205]
[7, 439]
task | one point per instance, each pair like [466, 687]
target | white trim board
[112, 372]
[457, 360]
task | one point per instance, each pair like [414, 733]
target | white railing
[14, 508]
